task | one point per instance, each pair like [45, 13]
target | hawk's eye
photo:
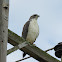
[35, 15]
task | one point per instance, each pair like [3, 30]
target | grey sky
[50, 23]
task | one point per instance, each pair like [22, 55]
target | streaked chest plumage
[33, 31]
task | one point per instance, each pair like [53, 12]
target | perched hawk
[31, 30]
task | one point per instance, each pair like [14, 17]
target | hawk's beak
[38, 16]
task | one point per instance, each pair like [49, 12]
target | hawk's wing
[25, 29]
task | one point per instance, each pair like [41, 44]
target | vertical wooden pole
[4, 7]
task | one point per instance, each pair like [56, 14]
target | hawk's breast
[33, 31]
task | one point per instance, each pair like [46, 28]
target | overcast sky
[50, 23]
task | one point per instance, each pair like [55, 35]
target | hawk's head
[35, 16]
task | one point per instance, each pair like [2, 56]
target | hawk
[31, 30]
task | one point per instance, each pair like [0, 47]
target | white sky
[50, 23]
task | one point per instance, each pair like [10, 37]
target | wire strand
[49, 49]
[23, 59]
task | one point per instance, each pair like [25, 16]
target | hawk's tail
[24, 54]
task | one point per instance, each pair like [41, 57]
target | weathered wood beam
[12, 50]
[17, 47]
[14, 39]
[4, 8]
[32, 50]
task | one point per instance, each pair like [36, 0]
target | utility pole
[4, 7]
